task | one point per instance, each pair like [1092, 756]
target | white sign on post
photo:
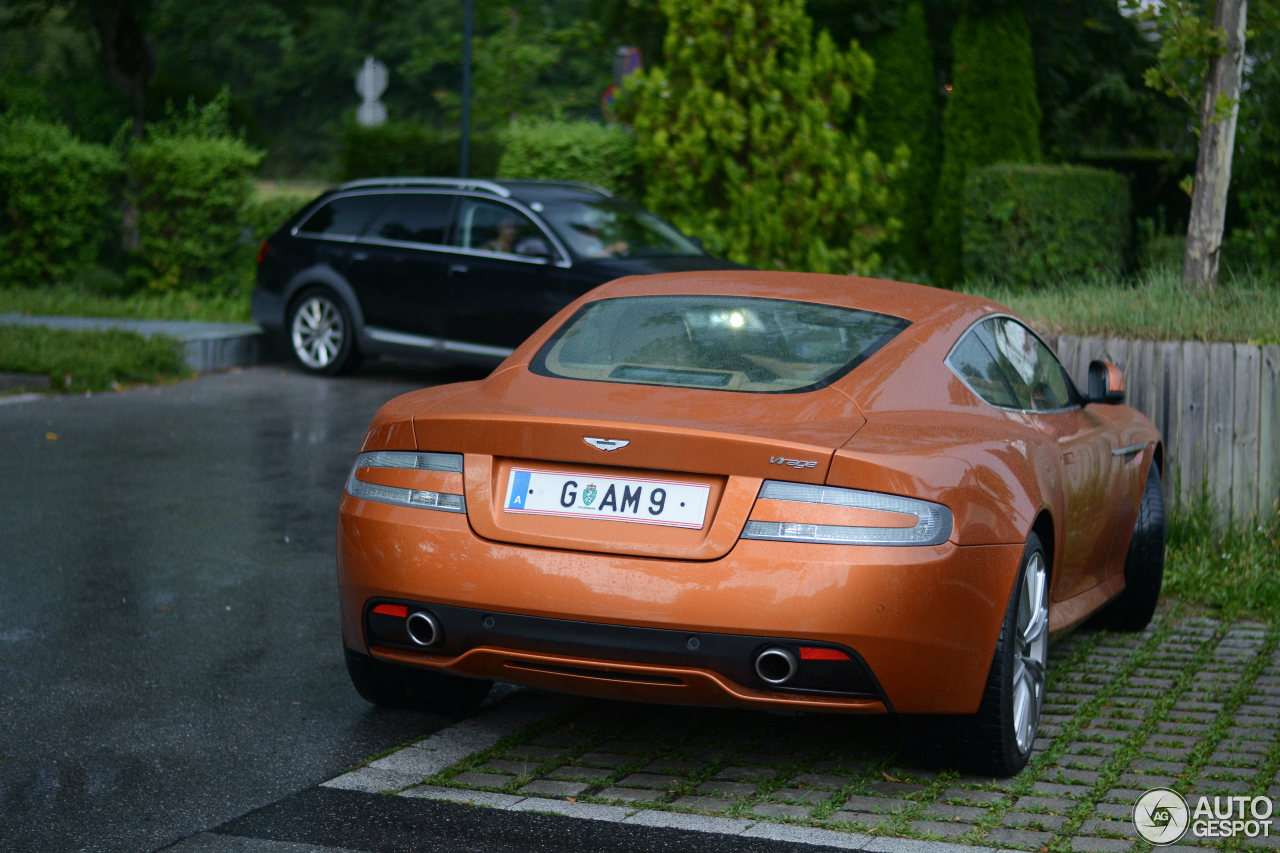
[371, 82]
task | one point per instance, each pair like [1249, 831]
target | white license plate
[632, 499]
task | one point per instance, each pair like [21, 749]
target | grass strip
[66, 300]
[1154, 306]
[80, 361]
[1235, 569]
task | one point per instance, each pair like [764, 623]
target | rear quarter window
[344, 216]
[1008, 366]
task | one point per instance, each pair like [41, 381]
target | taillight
[800, 512]
[262, 250]
[446, 463]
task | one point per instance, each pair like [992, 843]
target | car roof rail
[577, 185]
[453, 183]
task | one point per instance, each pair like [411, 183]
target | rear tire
[409, 688]
[321, 333]
[1143, 564]
[997, 741]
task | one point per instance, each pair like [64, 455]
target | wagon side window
[414, 218]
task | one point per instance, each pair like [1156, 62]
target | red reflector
[811, 653]
[263, 248]
[397, 610]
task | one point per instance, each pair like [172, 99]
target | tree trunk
[129, 62]
[1217, 141]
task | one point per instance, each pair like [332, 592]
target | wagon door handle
[458, 269]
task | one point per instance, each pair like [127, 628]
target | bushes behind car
[410, 148]
[185, 192]
[55, 201]
[191, 193]
[1031, 225]
[599, 154]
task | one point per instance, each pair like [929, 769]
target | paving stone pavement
[1190, 704]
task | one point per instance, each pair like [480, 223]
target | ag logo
[1161, 816]
[589, 494]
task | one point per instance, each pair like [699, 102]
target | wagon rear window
[715, 342]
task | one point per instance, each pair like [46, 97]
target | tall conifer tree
[747, 137]
[991, 116]
[903, 110]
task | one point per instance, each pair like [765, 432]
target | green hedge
[408, 148]
[599, 154]
[56, 197]
[191, 191]
[1031, 225]
[262, 216]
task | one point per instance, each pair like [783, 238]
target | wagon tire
[998, 739]
[1143, 563]
[321, 333]
[408, 688]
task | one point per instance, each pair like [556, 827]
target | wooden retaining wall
[1218, 406]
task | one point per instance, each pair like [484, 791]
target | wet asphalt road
[170, 655]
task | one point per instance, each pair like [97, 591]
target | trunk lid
[622, 469]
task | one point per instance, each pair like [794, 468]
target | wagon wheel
[321, 334]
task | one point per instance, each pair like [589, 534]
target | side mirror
[534, 247]
[1106, 383]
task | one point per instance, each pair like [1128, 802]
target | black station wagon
[450, 270]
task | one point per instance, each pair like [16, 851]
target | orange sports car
[782, 491]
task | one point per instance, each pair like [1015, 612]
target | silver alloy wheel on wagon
[320, 333]
[1030, 650]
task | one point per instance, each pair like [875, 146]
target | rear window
[717, 342]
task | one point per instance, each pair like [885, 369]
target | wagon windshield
[715, 342]
[609, 228]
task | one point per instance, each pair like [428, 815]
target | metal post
[465, 155]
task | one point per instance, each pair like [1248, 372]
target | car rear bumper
[267, 310]
[920, 622]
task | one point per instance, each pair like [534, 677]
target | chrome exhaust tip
[424, 629]
[776, 665]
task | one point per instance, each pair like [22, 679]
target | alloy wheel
[1031, 651]
[318, 332]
